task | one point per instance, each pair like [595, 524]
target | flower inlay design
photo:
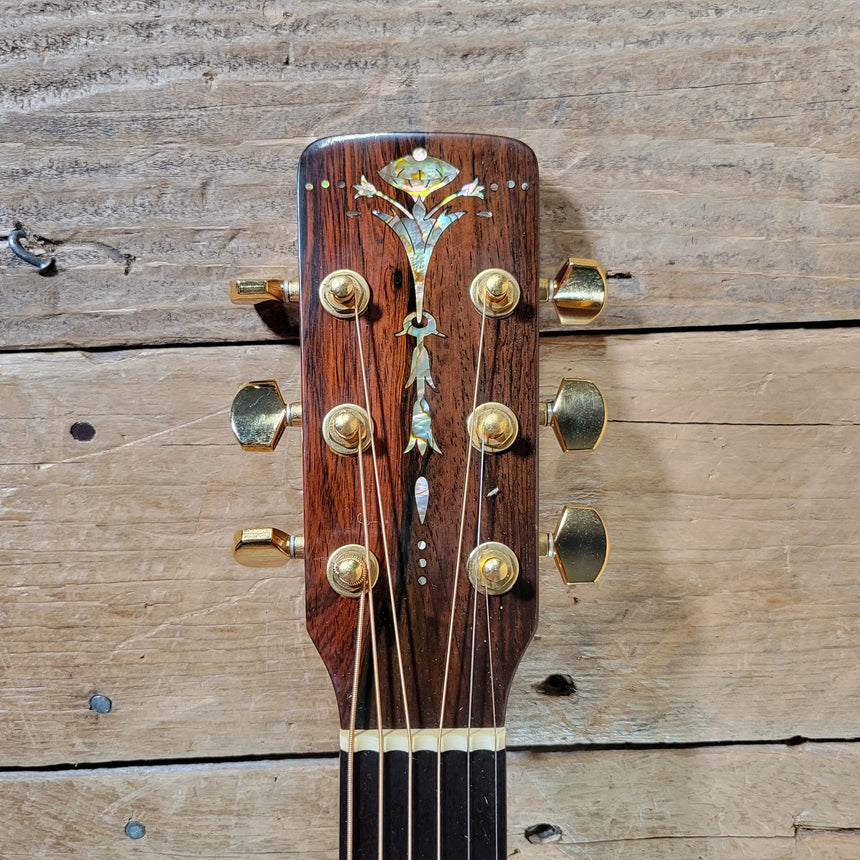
[419, 175]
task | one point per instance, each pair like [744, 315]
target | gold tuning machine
[579, 545]
[254, 291]
[266, 547]
[259, 415]
[578, 291]
[577, 415]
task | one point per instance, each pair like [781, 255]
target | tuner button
[577, 415]
[259, 415]
[252, 292]
[578, 291]
[580, 545]
[266, 547]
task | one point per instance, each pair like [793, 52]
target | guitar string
[350, 755]
[491, 672]
[492, 680]
[495, 724]
[390, 578]
[454, 592]
[472, 664]
[368, 589]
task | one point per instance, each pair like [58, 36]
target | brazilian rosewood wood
[338, 230]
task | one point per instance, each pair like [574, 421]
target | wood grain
[757, 802]
[705, 154]
[332, 240]
[726, 478]
[708, 154]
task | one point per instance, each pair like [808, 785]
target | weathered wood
[711, 155]
[727, 478]
[757, 802]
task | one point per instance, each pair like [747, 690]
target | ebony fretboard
[472, 800]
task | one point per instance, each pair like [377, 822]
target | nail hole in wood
[82, 431]
[135, 830]
[100, 704]
[538, 834]
[557, 685]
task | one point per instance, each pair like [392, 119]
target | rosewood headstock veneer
[419, 299]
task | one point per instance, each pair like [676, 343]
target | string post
[493, 568]
[343, 292]
[351, 569]
[347, 429]
[493, 427]
[495, 292]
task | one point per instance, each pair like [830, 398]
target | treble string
[472, 664]
[454, 593]
[495, 724]
[390, 579]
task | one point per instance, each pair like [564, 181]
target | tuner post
[493, 567]
[577, 415]
[579, 546]
[351, 570]
[578, 291]
[493, 427]
[254, 291]
[342, 292]
[495, 292]
[346, 429]
[266, 547]
[259, 415]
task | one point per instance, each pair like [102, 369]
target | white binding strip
[426, 740]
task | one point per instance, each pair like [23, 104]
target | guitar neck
[458, 798]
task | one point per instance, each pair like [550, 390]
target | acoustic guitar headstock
[419, 297]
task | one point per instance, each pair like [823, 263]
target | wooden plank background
[707, 155]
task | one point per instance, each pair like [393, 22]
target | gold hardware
[259, 415]
[266, 547]
[579, 546]
[340, 292]
[577, 415]
[500, 290]
[494, 425]
[346, 427]
[494, 567]
[347, 570]
[578, 291]
[251, 292]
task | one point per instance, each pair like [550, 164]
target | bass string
[367, 585]
[453, 612]
[390, 581]
[350, 754]
[491, 673]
